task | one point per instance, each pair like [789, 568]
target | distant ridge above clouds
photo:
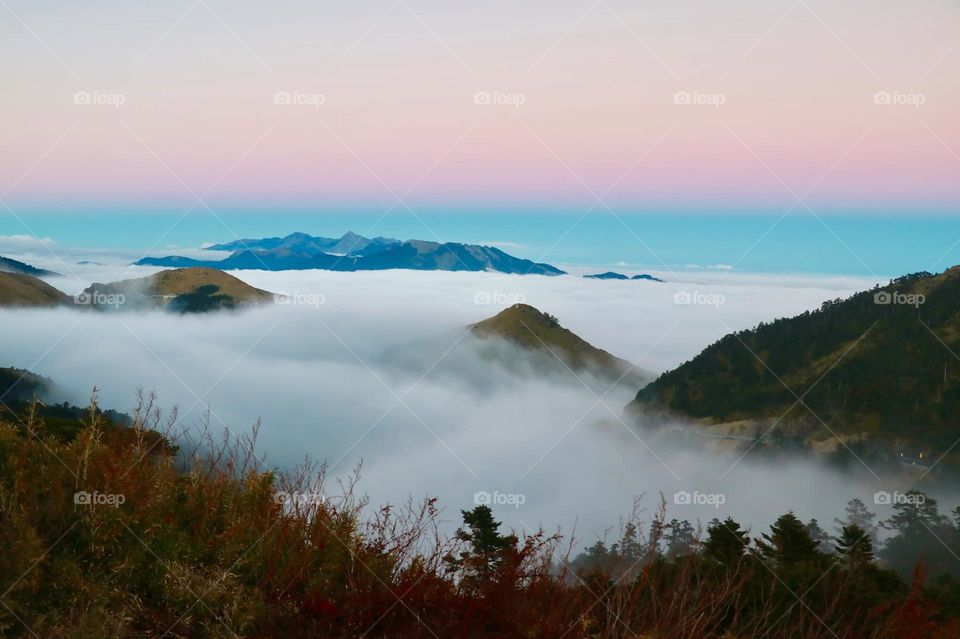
[352, 252]
[8, 265]
[349, 244]
[612, 275]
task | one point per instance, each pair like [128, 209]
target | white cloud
[24, 243]
[326, 380]
[710, 267]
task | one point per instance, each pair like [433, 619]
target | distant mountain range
[611, 275]
[350, 244]
[8, 265]
[881, 364]
[352, 252]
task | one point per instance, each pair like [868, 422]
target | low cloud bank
[379, 367]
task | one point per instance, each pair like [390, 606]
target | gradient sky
[597, 80]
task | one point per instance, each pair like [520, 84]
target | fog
[378, 367]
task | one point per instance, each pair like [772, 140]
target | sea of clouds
[379, 367]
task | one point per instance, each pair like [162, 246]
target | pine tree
[824, 541]
[726, 542]
[854, 547]
[487, 548]
[788, 542]
[596, 559]
[915, 512]
[656, 535]
[629, 548]
[920, 530]
[859, 516]
[680, 537]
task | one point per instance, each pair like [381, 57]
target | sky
[688, 106]
[861, 245]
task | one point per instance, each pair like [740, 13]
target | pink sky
[588, 91]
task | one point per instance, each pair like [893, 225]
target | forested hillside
[883, 363]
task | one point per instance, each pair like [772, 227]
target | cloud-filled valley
[379, 367]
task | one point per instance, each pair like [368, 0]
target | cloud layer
[378, 367]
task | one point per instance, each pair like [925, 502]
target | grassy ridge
[19, 289]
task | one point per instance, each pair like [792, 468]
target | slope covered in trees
[882, 363]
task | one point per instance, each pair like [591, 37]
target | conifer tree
[788, 543]
[726, 542]
[854, 547]
[487, 548]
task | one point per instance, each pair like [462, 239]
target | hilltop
[881, 365]
[532, 330]
[19, 289]
[192, 289]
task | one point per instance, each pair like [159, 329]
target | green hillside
[883, 363]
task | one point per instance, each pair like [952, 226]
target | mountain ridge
[352, 252]
[10, 265]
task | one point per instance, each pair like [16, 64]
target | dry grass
[201, 547]
[17, 289]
